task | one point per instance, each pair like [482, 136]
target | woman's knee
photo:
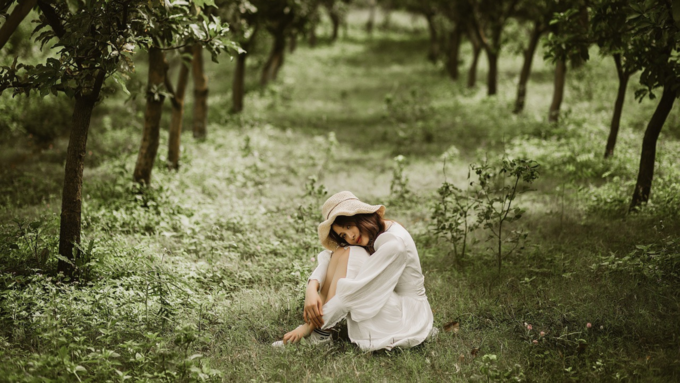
[357, 250]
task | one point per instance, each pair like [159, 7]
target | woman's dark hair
[372, 224]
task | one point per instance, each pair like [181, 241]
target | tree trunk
[558, 91]
[335, 22]
[433, 52]
[646, 173]
[71, 197]
[492, 75]
[312, 34]
[293, 42]
[618, 106]
[526, 67]
[158, 69]
[238, 86]
[454, 52]
[387, 16]
[13, 20]
[275, 61]
[200, 93]
[370, 24]
[472, 72]
[177, 115]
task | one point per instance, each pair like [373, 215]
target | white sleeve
[319, 273]
[364, 296]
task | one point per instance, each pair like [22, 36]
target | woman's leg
[337, 269]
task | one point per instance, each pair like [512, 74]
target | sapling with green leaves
[451, 215]
[399, 191]
[495, 210]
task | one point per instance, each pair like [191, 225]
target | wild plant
[307, 214]
[29, 237]
[495, 210]
[410, 113]
[452, 216]
[399, 190]
[328, 145]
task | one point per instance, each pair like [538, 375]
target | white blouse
[383, 296]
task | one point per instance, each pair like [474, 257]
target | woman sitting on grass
[370, 274]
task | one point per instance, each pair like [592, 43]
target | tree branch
[18, 15]
[52, 17]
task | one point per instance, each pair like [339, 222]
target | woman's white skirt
[404, 321]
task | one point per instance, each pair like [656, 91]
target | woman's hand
[313, 314]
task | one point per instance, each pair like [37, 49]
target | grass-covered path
[194, 278]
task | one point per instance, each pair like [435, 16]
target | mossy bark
[71, 197]
[175, 134]
[558, 90]
[200, 94]
[158, 69]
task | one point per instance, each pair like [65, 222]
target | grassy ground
[194, 278]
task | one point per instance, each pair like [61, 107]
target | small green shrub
[495, 208]
[399, 189]
[452, 217]
[410, 114]
[44, 119]
[659, 263]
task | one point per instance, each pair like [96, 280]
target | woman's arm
[313, 310]
[319, 274]
[365, 295]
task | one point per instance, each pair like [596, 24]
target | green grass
[193, 279]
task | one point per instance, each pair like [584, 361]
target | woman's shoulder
[392, 234]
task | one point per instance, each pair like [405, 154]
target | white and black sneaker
[317, 337]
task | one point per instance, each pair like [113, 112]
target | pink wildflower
[313, 259]
[589, 325]
[542, 333]
[535, 341]
[529, 327]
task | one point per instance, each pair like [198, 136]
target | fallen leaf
[452, 327]
[461, 357]
[474, 351]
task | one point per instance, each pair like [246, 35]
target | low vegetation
[193, 278]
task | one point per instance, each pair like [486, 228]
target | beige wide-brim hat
[342, 203]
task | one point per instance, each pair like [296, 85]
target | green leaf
[203, 3]
[64, 259]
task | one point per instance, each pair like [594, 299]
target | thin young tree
[428, 9]
[568, 39]
[175, 26]
[457, 12]
[243, 19]
[537, 15]
[612, 33]
[488, 20]
[95, 42]
[656, 35]
[280, 19]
